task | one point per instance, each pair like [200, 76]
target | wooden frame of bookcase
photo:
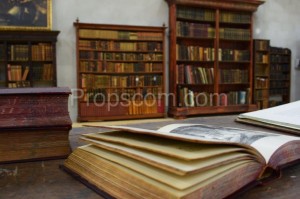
[90, 111]
[232, 6]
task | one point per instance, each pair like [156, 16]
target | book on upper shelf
[283, 117]
[180, 160]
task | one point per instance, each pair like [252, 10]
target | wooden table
[44, 179]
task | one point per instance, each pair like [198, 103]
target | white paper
[287, 115]
[264, 142]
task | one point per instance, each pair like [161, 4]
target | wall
[276, 20]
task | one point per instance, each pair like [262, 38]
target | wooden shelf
[28, 56]
[182, 112]
[280, 75]
[225, 28]
[120, 74]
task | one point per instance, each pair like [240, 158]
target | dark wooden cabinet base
[34, 124]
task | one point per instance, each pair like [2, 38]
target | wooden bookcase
[210, 51]
[120, 71]
[28, 58]
[280, 76]
[261, 76]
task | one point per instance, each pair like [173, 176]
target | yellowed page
[96, 169]
[170, 147]
[172, 180]
[258, 142]
[169, 163]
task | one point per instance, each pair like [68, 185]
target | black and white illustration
[212, 133]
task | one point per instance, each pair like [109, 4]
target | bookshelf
[261, 76]
[280, 76]
[120, 71]
[210, 54]
[28, 59]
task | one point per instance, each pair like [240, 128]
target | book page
[170, 147]
[287, 115]
[170, 163]
[170, 179]
[264, 142]
[257, 141]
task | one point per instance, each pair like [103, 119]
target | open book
[179, 160]
[285, 117]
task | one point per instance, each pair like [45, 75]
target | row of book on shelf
[189, 29]
[39, 52]
[263, 103]
[20, 73]
[102, 81]
[262, 45]
[145, 107]
[190, 98]
[121, 94]
[279, 50]
[199, 53]
[279, 83]
[44, 72]
[234, 76]
[99, 66]
[105, 45]
[199, 30]
[195, 53]
[17, 72]
[122, 35]
[279, 91]
[261, 94]
[261, 82]
[195, 14]
[130, 107]
[261, 58]
[200, 14]
[261, 70]
[279, 59]
[229, 17]
[280, 67]
[128, 56]
[190, 74]
[42, 51]
[279, 76]
[235, 34]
